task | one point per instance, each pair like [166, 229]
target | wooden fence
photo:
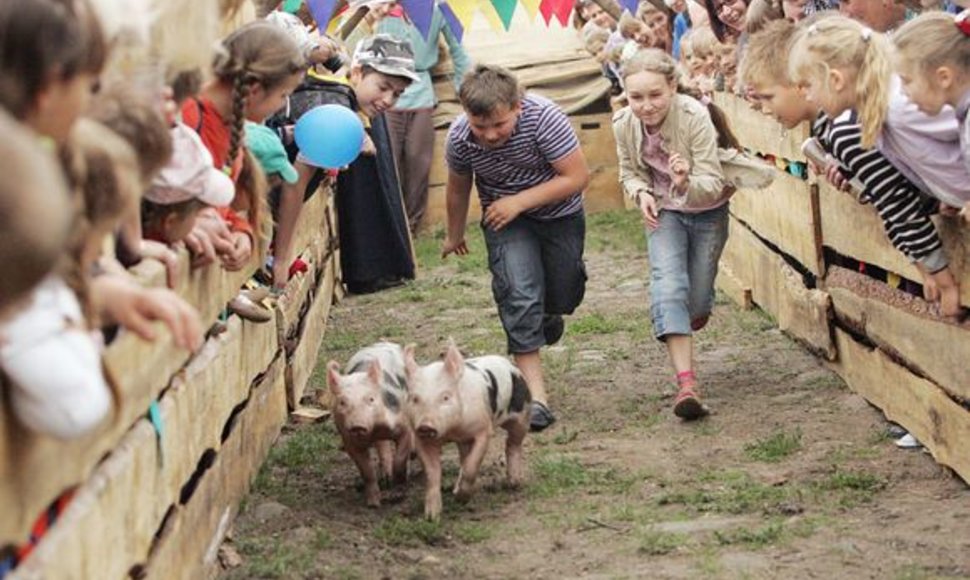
[821, 265]
[156, 502]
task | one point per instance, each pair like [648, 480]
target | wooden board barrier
[110, 525]
[920, 406]
[759, 132]
[300, 289]
[188, 547]
[313, 220]
[902, 325]
[855, 230]
[303, 359]
[783, 215]
[779, 290]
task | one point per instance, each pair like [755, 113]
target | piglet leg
[372, 491]
[430, 455]
[385, 455]
[401, 456]
[514, 458]
[470, 465]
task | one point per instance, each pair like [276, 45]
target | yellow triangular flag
[531, 8]
[490, 14]
[464, 11]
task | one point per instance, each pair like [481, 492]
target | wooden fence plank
[303, 359]
[921, 407]
[111, 524]
[855, 230]
[903, 325]
[783, 215]
[188, 548]
[779, 290]
[759, 132]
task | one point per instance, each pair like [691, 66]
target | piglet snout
[427, 432]
[358, 431]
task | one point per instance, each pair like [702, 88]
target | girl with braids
[674, 154]
[845, 66]
[256, 70]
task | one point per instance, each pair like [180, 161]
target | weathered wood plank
[110, 525]
[855, 230]
[313, 220]
[920, 406]
[782, 214]
[736, 290]
[779, 290]
[188, 547]
[761, 133]
[904, 326]
[303, 359]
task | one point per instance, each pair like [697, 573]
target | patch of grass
[775, 447]
[472, 533]
[657, 543]
[322, 539]
[615, 230]
[337, 339]
[347, 573]
[273, 559]
[597, 323]
[402, 531]
[565, 437]
[560, 474]
[752, 538]
[853, 487]
[728, 492]
[305, 448]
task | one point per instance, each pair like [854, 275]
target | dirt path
[792, 477]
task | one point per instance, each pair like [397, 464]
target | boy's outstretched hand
[458, 248]
[501, 212]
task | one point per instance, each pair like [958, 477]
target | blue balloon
[330, 136]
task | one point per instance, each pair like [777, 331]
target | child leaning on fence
[845, 65]
[904, 210]
[527, 164]
[674, 155]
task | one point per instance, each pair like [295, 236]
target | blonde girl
[933, 62]
[845, 65]
[667, 146]
[257, 68]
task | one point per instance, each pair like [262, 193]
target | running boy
[526, 162]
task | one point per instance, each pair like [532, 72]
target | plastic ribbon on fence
[420, 12]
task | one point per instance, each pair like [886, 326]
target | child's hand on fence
[679, 172]
[502, 212]
[648, 206]
[456, 247]
[158, 251]
[123, 302]
[237, 257]
[835, 176]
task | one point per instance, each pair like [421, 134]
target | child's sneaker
[687, 404]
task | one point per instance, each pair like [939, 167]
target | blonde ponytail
[872, 88]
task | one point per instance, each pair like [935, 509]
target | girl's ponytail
[872, 86]
[240, 89]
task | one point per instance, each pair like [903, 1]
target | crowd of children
[884, 85]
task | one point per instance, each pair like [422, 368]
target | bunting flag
[322, 11]
[292, 6]
[562, 9]
[491, 14]
[505, 10]
[452, 20]
[546, 9]
[420, 12]
[630, 5]
[531, 8]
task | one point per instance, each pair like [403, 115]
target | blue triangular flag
[420, 12]
[452, 20]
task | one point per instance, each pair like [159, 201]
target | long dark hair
[720, 30]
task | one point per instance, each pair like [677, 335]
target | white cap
[190, 174]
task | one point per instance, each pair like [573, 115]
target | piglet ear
[333, 377]
[410, 365]
[374, 372]
[454, 362]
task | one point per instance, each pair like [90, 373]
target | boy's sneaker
[541, 418]
[907, 441]
[552, 328]
[688, 405]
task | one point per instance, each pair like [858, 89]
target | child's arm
[457, 192]
[705, 182]
[634, 183]
[572, 176]
[291, 204]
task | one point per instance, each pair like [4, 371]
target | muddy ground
[793, 476]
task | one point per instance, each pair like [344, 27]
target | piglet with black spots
[463, 402]
[368, 412]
